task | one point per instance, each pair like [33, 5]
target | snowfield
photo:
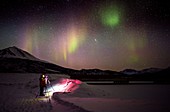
[18, 94]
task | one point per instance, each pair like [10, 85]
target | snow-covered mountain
[150, 70]
[129, 71]
[144, 71]
[14, 52]
[15, 60]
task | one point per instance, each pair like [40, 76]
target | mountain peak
[15, 52]
[13, 47]
[129, 71]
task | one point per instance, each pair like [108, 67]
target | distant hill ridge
[15, 60]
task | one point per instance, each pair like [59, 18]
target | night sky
[103, 34]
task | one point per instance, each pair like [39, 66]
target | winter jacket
[42, 82]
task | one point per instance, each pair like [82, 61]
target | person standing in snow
[47, 82]
[42, 85]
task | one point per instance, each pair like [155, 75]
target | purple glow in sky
[104, 34]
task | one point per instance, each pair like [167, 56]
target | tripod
[47, 91]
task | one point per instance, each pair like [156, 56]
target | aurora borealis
[104, 34]
[110, 15]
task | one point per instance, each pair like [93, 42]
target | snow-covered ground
[18, 94]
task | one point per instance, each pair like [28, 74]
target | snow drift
[18, 94]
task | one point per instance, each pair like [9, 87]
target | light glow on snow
[64, 85]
